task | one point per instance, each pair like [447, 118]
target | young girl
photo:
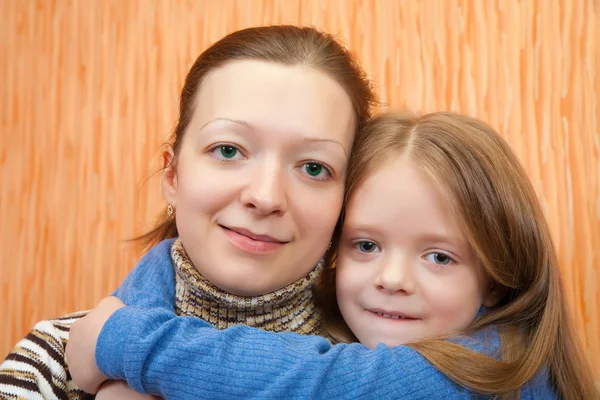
[254, 181]
[445, 253]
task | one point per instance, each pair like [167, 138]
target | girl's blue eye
[316, 170]
[366, 246]
[226, 152]
[439, 259]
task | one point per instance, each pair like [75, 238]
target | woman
[254, 181]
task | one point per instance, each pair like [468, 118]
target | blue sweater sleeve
[152, 282]
[186, 358]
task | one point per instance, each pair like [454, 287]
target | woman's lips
[250, 242]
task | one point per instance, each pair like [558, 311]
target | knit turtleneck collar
[290, 308]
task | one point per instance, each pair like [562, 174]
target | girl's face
[405, 270]
[259, 181]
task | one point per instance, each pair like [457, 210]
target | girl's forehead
[399, 198]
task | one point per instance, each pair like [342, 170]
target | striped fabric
[289, 309]
[37, 369]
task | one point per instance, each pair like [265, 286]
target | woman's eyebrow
[313, 140]
[226, 120]
[249, 126]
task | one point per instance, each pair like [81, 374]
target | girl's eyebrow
[246, 125]
[444, 239]
[360, 228]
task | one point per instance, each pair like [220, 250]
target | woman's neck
[290, 308]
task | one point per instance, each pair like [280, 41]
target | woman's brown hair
[499, 213]
[283, 44]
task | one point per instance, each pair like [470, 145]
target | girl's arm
[185, 358]
[118, 390]
[151, 283]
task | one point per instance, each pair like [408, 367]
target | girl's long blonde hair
[501, 217]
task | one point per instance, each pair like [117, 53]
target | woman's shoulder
[37, 366]
[50, 335]
[45, 343]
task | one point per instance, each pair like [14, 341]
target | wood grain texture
[89, 92]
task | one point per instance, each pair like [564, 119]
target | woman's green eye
[316, 170]
[228, 151]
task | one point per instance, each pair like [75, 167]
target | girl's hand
[115, 390]
[81, 348]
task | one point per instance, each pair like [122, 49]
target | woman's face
[259, 180]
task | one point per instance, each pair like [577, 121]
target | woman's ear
[169, 176]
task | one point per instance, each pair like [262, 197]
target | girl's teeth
[389, 316]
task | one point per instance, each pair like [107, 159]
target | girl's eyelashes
[366, 246]
[440, 259]
[437, 258]
[226, 152]
[316, 170]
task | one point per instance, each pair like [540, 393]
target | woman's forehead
[271, 96]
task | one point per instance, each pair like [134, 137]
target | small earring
[329, 248]
[170, 212]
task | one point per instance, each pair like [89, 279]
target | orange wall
[89, 92]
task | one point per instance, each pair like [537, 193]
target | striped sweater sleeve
[37, 367]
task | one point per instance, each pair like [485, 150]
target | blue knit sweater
[157, 352]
